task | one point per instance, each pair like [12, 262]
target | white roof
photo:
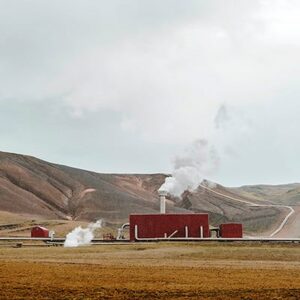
[41, 227]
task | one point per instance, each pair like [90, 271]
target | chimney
[162, 196]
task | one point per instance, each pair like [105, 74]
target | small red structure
[231, 230]
[153, 226]
[39, 231]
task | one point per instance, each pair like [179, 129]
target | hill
[287, 194]
[36, 188]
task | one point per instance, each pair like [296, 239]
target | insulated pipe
[172, 234]
[162, 197]
[249, 239]
[186, 229]
[136, 232]
[120, 235]
[125, 225]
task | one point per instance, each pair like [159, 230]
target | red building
[231, 230]
[153, 226]
[39, 231]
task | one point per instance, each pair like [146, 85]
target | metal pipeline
[249, 239]
[120, 235]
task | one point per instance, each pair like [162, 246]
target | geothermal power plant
[159, 227]
[164, 226]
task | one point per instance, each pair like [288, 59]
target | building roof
[41, 227]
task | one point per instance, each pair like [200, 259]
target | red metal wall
[231, 230]
[155, 226]
[38, 231]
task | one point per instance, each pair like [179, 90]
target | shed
[39, 231]
[231, 230]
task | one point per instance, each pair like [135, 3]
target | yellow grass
[152, 271]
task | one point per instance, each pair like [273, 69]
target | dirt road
[290, 225]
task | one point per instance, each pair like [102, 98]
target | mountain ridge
[29, 185]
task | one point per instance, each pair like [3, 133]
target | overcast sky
[126, 86]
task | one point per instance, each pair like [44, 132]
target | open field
[152, 271]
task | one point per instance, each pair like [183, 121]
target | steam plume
[82, 236]
[190, 169]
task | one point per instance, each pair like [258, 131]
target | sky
[128, 86]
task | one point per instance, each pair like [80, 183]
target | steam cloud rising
[82, 236]
[190, 169]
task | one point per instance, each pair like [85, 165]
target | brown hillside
[34, 187]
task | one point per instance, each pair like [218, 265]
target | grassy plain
[152, 271]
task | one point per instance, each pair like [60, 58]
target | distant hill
[38, 188]
[287, 194]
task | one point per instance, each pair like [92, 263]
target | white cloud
[166, 69]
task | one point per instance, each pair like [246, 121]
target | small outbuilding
[231, 230]
[39, 231]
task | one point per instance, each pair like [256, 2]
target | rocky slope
[34, 187]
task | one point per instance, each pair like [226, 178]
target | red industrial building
[153, 226]
[156, 227]
[231, 230]
[40, 232]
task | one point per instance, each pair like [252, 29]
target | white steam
[82, 236]
[191, 168]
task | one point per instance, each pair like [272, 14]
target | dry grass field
[151, 271]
